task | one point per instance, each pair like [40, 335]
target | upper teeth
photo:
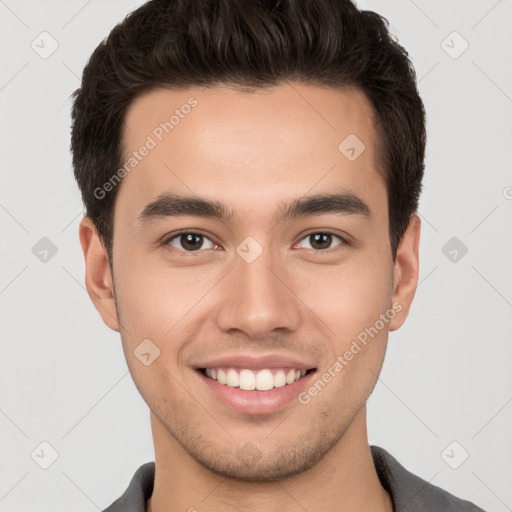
[262, 380]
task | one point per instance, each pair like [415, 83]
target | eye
[189, 241]
[322, 241]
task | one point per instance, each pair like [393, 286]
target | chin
[249, 463]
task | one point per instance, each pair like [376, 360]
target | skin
[252, 151]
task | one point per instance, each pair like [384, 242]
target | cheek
[156, 296]
[348, 297]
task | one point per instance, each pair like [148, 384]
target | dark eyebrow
[321, 204]
[169, 205]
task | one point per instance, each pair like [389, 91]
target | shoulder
[410, 492]
[138, 492]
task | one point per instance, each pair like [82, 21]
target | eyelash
[167, 240]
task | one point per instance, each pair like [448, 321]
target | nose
[258, 298]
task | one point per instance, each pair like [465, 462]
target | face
[294, 277]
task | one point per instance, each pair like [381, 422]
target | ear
[406, 272]
[98, 279]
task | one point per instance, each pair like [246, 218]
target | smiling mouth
[246, 379]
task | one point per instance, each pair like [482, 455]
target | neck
[345, 480]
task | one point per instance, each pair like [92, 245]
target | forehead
[249, 147]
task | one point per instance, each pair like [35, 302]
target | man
[251, 174]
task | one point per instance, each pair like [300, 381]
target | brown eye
[322, 241]
[190, 242]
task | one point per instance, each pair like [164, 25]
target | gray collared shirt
[408, 492]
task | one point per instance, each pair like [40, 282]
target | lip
[256, 402]
[257, 363]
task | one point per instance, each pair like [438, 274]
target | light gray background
[447, 375]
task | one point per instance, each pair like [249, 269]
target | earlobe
[406, 272]
[98, 279]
